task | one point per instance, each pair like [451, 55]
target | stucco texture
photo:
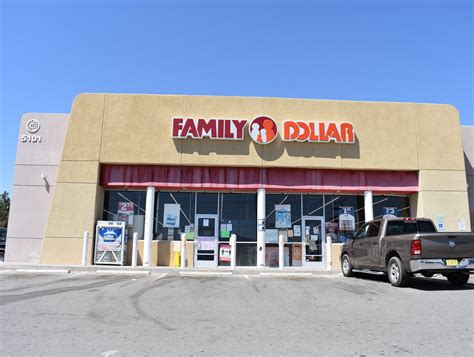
[136, 129]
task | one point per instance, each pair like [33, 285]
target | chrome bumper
[438, 264]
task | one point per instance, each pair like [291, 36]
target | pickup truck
[401, 247]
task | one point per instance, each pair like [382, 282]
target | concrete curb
[205, 273]
[122, 272]
[191, 271]
[44, 271]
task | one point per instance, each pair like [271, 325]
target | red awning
[251, 178]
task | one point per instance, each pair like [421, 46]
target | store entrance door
[313, 242]
[205, 254]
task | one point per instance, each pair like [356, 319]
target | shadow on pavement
[420, 283]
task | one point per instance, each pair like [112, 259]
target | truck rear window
[395, 228]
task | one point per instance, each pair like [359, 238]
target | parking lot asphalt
[93, 314]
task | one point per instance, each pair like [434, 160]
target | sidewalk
[104, 269]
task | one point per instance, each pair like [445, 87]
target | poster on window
[225, 252]
[282, 216]
[205, 243]
[272, 256]
[125, 212]
[110, 243]
[346, 218]
[390, 212]
[171, 213]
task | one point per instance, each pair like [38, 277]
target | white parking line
[80, 273]
[122, 272]
[4, 271]
[161, 276]
[205, 273]
[308, 275]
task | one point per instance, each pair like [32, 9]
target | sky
[413, 51]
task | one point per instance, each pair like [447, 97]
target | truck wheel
[346, 266]
[457, 279]
[396, 272]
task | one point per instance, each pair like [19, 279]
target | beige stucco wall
[136, 129]
[78, 201]
[34, 182]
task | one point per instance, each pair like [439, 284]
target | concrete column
[368, 206]
[261, 227]
[148, 237]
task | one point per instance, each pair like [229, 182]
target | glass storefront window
[128, 206]
[279, 221]
[289, 214]
[344, 216]
[246, 255]
[238, 215]
[398, 206]
[313, 205]
[294, 201]
[180, 206]
[207, 203]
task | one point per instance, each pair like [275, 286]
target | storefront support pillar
[148, 236]
[261, 227]
[368, 206]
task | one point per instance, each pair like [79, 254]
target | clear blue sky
[416, 51]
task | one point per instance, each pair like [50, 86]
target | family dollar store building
[215, 166]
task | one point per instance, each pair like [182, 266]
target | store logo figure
[263, 130]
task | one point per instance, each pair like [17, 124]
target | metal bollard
[233, 250]
[328, 252]
[281, 255]
[85, 245]
[183, 250]
[135, 249]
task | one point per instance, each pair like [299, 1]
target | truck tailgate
[446, 245]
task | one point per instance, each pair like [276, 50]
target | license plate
[451, 262]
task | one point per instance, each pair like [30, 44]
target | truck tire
[346, 266]
[457, 279]
[397, 276]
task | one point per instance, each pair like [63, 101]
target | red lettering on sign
[240, 125]
[304, 131]
[347, 133]
[189, 129]
[322, 133]
[263, 131]
[290, 131]
[333, 133]
[228, 129]
[177, 126]
[206, 128]
[312, 135]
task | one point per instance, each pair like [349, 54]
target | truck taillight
[415, 248]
